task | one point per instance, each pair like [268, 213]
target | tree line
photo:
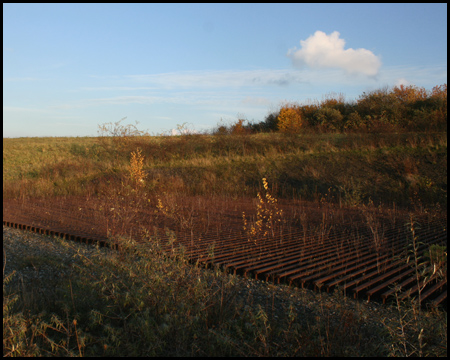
[400, 108]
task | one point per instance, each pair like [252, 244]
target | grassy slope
[355, 168]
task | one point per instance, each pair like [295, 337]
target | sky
[68, 68]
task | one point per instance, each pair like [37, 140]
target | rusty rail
[357, 260]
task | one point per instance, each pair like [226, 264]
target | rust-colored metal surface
[365, 253]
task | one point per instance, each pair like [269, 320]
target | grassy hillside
[406, 169]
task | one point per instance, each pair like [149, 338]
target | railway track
[363, 262]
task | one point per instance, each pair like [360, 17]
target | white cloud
[402, 81]
[182, 131]
[327, 51]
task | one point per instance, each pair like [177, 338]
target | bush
[330, 119]
[355, 122]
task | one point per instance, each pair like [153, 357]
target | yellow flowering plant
[268, 216]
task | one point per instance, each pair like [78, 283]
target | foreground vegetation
[140, 303]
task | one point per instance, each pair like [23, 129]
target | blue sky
[69, 67]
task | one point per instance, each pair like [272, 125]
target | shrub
[329, 118]
[221, 130]
[354, 121]
[121, 135]
[380, 106]
[308, 112]
[268, 217]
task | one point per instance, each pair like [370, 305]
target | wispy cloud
[217, 79]
[124, 100]
[426, 76]
[18, 109]
[232, 89]
[327, 51]
[258, 101]
[116, 100]
[192, 98]
[117, 88]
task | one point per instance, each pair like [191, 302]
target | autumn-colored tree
[440, 92]
[290, 119]
[429, 111]
[239, 128]
[409, 94]
[333, 100]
